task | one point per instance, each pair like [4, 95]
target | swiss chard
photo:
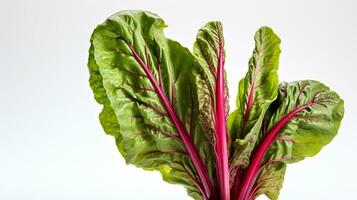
[168, 108]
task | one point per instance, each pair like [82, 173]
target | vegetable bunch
[167, 108]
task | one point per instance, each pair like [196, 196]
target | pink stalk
[245, 185]
[221, 145]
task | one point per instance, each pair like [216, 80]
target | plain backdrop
[51, 143]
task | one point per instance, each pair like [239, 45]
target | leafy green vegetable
[256, 92]
[144, 75]
[167, 108]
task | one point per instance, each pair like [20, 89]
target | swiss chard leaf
[256, 92]
[311, 128]
[307, 118]
[207, 50]
[213, 97]
[139, 76]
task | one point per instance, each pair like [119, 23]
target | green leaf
[139, 76]
[206, 48]
[312, 115]
[310, 129]
[213, 97]
[255, 94]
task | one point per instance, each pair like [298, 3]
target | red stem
[196, 159]
[244, 186]
[221, 143]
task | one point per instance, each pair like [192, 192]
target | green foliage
[161, 103]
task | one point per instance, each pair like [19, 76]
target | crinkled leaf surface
[270, 180]
[311, 128]
[307, 115]
[257, 90]
[141, 77]
[107, 117]
[206, 48]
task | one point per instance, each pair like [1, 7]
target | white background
[51, 143]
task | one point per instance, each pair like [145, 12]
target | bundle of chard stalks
[167, 108]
